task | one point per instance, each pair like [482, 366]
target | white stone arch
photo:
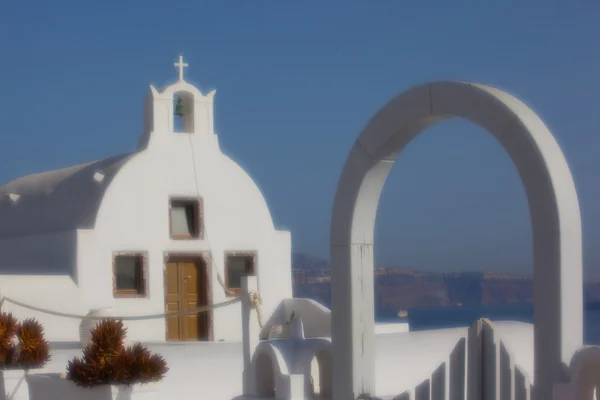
[553, 205]
[322, 356]
[269, 366]
[583, 374]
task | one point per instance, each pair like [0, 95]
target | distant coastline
[398, 290]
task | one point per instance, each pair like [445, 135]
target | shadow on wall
[265, 379]
[52, 255]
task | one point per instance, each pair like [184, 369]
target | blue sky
[296, 82]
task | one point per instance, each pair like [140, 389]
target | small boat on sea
[402, 314]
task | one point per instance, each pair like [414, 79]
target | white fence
[480, 367]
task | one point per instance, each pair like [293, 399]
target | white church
[169, 227]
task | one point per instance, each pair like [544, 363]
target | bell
[179, 108]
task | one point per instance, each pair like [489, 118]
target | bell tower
[179, 108]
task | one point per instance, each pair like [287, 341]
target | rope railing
[255, 303]
[254, 297]
[255, 300]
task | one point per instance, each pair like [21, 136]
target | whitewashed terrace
[403, 360]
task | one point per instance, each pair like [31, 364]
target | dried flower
[32, 350]
[107, 361]
[33, 347]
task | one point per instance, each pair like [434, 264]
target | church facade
[169, 227]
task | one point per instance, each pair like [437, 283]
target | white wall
[56, 293]
[40, 271]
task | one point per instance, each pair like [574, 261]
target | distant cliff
[399, 289]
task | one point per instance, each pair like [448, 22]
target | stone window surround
[198, 220]
[253, 254]
[144, 278]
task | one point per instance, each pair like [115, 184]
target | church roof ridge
[57, 190]
[52, 177]
[44, 174]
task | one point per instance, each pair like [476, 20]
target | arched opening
[553, 209]
[321, 369]
[265, 379]
[460, 237]
[183, 112]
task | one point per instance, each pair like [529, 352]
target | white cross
[181, 65]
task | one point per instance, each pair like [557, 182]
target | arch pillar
[554, 212]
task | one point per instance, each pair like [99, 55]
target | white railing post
[423, 390]
[458, 371]
[474, 362]
[491, 362]
[522, 385]
[507, 373]
[250, 332]
[440, 382]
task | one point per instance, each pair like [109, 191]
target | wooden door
[187, 288]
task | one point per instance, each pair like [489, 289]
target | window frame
[142, 291]
[248, 254]
[198, 207]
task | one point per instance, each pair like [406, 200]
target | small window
[129, 275]
[185, 219]
[238, 265]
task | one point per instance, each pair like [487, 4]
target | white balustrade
[480, 366]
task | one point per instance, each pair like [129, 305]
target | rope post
[250, 330]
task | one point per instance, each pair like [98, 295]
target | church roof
[55, 201]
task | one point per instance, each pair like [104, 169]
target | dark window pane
[236, 268]
[128, 273]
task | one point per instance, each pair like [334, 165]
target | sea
[421, 319]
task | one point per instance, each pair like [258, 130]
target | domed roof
[241, 182]
[70, 198]
[54, 201]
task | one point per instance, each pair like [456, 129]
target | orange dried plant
[107, 361]
[32, 350]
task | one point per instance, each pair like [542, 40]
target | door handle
[185, 278]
